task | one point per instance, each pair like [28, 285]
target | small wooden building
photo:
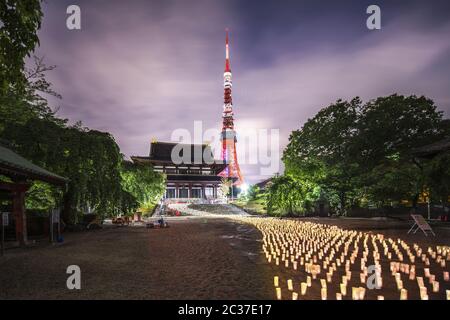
[431, 150]
[20, 173]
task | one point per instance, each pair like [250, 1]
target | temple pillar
[190, 191]
[203, 191]
[19, 212]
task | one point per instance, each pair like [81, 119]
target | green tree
[395, 125]
[19, 22]
[323, 151]
[225, 186]
[355, 152]
[438, 178]
[143, 183]
[390, 128]
[287, 195]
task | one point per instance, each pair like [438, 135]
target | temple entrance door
[183, 192]
[196, 193]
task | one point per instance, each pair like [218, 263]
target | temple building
[192, 172]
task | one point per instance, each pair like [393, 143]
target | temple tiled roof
[14, 165]
[199, 153]
[433, 149]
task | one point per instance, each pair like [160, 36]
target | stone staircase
[209, 209]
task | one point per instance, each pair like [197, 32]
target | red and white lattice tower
[228, 135]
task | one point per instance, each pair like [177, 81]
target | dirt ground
[195, 258]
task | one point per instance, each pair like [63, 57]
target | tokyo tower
[228, 136]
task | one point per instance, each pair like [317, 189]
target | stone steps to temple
[208, 209]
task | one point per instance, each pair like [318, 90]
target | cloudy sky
[142, 69]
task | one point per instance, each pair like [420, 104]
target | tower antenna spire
[227, 52]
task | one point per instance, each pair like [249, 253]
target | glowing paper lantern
[361, 293]
[403, 294]
[303, 287]
[343, 288]
[278, 290]
[276, 281]
[435, 286]
[323, 293]
[290, 286]
[355, 293]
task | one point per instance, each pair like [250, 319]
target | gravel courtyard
[196, 258]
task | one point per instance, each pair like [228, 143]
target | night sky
[141, 69]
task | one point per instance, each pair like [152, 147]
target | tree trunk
[342, 200]
[66, 213]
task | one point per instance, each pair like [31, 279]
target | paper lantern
[399, 284]
[448, 294]
[435, 285]
[380, 297]
[403, 294]
[355, 293]
[278, 290]
[303, 287]
[338, 296]
[446, 276]
[308, 281]
[276, 281]
[323, 293]
[423, 293]
[294, 296]
[329, 277]
[343, 288]
[290, 286]
[361, 293]
[362, 277]
[420, 282]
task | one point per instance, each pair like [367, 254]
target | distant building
[263, 185]
[432, 150]
[195, 177]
